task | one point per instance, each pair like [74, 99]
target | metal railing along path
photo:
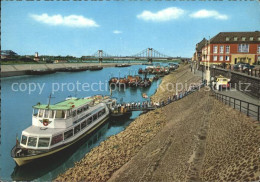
[250, 109]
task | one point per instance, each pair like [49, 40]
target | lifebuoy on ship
[45, 122]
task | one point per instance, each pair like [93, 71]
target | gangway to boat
[121, 110]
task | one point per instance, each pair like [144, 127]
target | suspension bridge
[148, 54]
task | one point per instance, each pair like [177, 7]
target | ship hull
[28, 159]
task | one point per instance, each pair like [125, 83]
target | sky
[81, 28]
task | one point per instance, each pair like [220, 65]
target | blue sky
[120, 28]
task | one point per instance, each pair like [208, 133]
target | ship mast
[49, 101]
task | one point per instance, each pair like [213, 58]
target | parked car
[237, 66]
[243, 66]
[221, 82]
[248, 66]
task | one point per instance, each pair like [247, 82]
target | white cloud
[117, 32]
[71, 20]
[208, 14]
[162, 15]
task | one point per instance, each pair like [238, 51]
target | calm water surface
[16, 107]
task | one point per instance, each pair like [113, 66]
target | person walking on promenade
[118, 108]
[174, 97]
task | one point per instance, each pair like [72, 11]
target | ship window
[83, 124]
[60, 114]
[51, 113]
[76, 129]
[43, 142]
[68, 113]
[56, 139]
[35, 112]
[101, 112]
[95, 117]
[24, 139]
[85, 108]
[74, 113]
[46, 113]
[79, 110]
[41, 111]
[32, 141]
[68, 134]
[89, 121]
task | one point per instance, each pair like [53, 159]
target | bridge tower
[150, 54]
[100, 55]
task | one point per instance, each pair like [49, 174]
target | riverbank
[21, 69]
[203, 140]
[195, 138]
[100, 163]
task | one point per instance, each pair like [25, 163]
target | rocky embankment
[102, 161]
[196, 138]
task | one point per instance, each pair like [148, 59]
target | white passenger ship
[56, 127]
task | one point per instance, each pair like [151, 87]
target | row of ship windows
[44, 141]
[58, 113]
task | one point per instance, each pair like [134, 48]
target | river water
[16, 112]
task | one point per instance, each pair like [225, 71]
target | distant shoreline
[22, 69]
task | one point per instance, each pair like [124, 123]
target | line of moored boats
[137, 81]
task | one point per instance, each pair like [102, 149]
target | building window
[215, 58]
[243, 48]
[258, 49]
[259, 38]
[251, 38]
[227, 38]
[221, 49]
[243, 38]
[227, 49]
[221, 58]
[227, 58]
[235, 38]
[215, 49]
